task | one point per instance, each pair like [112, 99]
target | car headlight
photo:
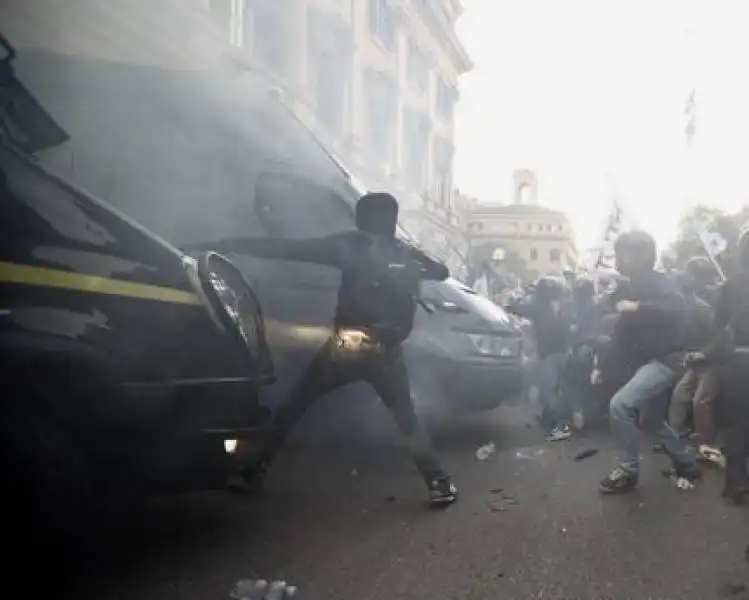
[494, 345]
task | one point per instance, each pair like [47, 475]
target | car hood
[473, 311]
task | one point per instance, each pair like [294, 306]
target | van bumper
[468, 385]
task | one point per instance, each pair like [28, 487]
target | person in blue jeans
[650, 330]
[546, 309]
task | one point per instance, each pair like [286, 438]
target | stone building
[535, 239]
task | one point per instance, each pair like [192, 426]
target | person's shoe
[618, 481]
[659, 449]
[559, 433]
[711, 455]
[442, 492]
[735, 496]
[249, 480]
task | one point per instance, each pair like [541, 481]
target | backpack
[386, 283]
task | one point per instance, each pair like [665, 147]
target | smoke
[175, 128]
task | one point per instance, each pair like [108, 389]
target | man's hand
[627, 306]
[595, 377]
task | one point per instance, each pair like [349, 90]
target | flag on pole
[690, 111]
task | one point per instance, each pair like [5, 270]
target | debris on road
[583, 454]
[529, 453]
[497, 491]
[684, 484]
[260, 589]
[486, 451]
[496, 508]
[509, 499]
[390, 499]
[354, 473]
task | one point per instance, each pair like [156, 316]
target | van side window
[293, 207]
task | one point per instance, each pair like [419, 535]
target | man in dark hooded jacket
[377, 301]
[651, 329]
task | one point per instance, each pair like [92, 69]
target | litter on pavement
[529, 453]
[486, 451]
[583, 454]
[260, 589]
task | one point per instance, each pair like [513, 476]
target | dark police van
[125, 365]
[197, 156]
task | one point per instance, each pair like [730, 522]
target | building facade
[524, 238]
[377, 80]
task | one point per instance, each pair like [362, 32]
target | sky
[591, 94]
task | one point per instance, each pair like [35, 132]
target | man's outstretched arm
[430, 268]
[323, 251]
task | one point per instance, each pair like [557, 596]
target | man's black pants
[733, 414]
[385, 370]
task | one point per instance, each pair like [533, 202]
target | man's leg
[734, 418]
[648, 382]
[322, 375]
[558, 416]
[736, 485]
[681, 401]
[388, 375]
[708, 384]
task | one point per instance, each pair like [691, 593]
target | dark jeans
[385, 371]
[733, 412]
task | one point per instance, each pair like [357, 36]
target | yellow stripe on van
[55, 278]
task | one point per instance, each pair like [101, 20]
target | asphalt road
[347, 520]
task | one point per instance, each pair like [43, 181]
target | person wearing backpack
[377, 302]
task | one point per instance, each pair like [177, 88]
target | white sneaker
[559, 433]
[713, 455]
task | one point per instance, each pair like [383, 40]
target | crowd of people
[671, 348]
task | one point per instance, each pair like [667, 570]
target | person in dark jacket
[651, 327]
[731, 349]
[551, 328]
[584, 319]
[706, 278]
[377, 301]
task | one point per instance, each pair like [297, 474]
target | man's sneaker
[691, 472]
[618, 481]
[559, 433]
[249, 480]
[735, 496]
[442, 492]
[711, 455]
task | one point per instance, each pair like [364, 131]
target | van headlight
[495, 345]
[232, 304]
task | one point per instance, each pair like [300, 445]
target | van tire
[49, 486]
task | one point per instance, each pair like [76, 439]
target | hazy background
[591, 94]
